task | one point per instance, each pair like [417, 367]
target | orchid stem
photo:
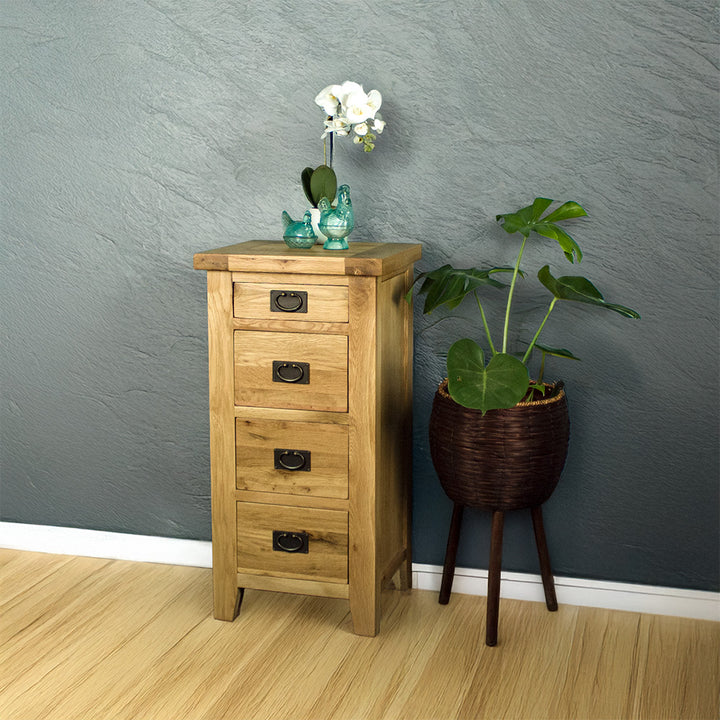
[510, 295]
[485, 324]
[537, 334]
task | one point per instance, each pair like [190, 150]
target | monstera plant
[498, 440]
[503, 380]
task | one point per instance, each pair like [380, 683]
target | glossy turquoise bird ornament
[298, 234]
[338, 222]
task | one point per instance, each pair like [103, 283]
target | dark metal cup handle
[290, 372]
[297, 460]
[291, 542]
[287, 301]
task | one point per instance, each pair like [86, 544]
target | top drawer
[277, 301]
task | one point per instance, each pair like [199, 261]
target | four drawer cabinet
[310, 368]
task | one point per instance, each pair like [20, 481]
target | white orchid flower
[349, 108]
[374, 100]
[347, 89]
[329, 98]
[357, 109]
[338, 125]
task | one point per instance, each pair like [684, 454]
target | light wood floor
[88, 639]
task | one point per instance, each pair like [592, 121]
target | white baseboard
[96, 543]
[697, 604]
[518, 586]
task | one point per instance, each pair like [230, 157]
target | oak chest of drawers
[310, 368]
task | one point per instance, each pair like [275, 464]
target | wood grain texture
[275, 257]
[394, 391]
[325, 303]
[326, 558]
[222, 443]
[326, 355]
[354, 415]
[114, 640]
[296, 586]
[256, 440]
[364, 427]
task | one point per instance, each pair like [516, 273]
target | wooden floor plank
[370, 677]
[24, 570]
[85, 638]
[681, 669]
[90, 639]
[117, 678]
[450, 665]
[47, 596]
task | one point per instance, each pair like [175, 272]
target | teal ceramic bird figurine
[337, 223]
[298, 234]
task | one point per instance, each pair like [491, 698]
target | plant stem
[537, 334]
[512, 290]
[485, 323]
[542, 368]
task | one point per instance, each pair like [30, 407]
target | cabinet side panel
[395, 435]
[222, 444]
[362, 406]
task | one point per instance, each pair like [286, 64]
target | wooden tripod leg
[450, 554]
[493, 599]
[544, 557]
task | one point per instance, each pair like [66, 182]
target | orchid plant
[505, 381]
[349, 110]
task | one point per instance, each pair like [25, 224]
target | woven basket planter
[503, 460]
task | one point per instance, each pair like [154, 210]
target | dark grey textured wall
[137, 133]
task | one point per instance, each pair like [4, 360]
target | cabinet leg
[365, 610]
[544, 557]
[226, 601]
[451, 554]
[493, 599]
[405, 572]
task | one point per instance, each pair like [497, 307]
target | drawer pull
[290, 542]
[292, 459]
[291, 372]
[288, 301]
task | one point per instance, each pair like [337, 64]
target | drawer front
[296, 458]
[327, 303]
[291, 370]
[317, 540]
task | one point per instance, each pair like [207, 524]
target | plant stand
[508, 459]
[493, 596]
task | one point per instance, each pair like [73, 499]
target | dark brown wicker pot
[505, 459]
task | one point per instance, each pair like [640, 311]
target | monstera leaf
[556, 352]
[501, 384]
[529, 219]
[579, 289]
[448, 286]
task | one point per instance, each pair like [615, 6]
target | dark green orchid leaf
[447, 285]
[305, 176]
[323, 183]
[528, 219]
[579, 289]
[556, 352]
[502, 384]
